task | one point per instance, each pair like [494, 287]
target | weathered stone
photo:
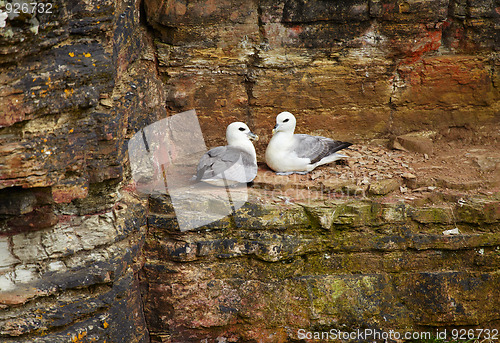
[6, 257]
[438, 80]
[60, 147]
[413, 142]
[334, 185]
[6, 286]
[273, 44]
[28, 247]
[298, 11]
[17, 295]
[205, 23]
[326, 94]
[212, 300]
[454, 231]
[394, 213]
[457, 184]
[384, 187]
[355, 190]
[487, 162]
[427, 215]
[351, 300]
[411, 180]
[447, 297]
[107, 268]
[432, 11]
[478, 211]
[409, 176]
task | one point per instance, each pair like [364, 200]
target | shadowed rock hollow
[404, 235]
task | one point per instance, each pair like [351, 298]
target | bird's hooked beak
[275, 128]
[252, 136]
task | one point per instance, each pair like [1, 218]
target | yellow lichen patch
[49, 83]
[71, 131]
[79, 337]
[105, 324]
[87, 54]
[69, 92]
[71, 54]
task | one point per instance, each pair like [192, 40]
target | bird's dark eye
[284, 121]
[241, 129]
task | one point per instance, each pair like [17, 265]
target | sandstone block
[25, 273]
[451, 232]
[411, 11]
[297, 11]
[28, 247]
[442, 297]
[426, 215]
[6, 258]
[341, 297]
[384, 187]
[411, 180]
[75, 84]
[447, 81]
[394, 213]
[203, 22]
[323, 215]
[97, 230]
[357, 213]
[486, 162]
[413, 142]
[61, 241]
[478, 211]
[451, 183]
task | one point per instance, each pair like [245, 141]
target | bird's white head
[285, 122]
[238, 132]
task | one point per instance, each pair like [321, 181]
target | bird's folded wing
[227, 162]
[316, 147]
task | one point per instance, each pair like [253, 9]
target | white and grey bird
[231, 164]
[289, 153]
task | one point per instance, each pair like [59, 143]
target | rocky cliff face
[283, 264]
[75, 83]
[352, 69]
[78, 82]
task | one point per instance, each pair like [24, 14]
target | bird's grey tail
[340, 146]
[329, 153]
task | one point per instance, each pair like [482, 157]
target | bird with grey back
[231, 164]
[289, 153]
